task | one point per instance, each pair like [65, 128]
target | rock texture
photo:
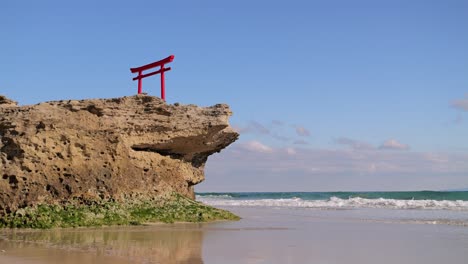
[5, 102]
[119, 148]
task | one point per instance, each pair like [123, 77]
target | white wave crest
[338, 203]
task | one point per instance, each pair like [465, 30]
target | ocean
[336, 200]
[424, 207]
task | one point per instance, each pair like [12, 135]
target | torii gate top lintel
[152, 65]
[159, 63]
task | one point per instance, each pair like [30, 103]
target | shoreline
[263, 235]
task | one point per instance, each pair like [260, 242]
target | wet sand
[264, 235]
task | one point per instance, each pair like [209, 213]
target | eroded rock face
[119, 148]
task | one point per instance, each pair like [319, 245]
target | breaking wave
[336, 203]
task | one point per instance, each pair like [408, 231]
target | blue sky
[327, 95]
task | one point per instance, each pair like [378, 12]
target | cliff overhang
[95, 150]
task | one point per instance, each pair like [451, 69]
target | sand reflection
[180, 243]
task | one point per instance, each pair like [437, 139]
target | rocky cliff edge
[110, 149]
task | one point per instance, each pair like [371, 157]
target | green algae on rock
[175, 208]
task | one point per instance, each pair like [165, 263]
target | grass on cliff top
[175, 209]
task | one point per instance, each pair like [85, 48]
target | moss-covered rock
[170, 209]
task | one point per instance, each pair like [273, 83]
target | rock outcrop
[112, 149]
[5, 102]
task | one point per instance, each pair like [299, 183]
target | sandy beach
[264, 235]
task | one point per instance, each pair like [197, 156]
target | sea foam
[338, 203]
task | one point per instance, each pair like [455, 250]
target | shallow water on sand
[264, 235]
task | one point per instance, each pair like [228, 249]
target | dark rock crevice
[11, 148]
[163, 152]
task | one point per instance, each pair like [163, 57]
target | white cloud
[251, 156]
[256, 146]
[394, 145]
[436, 158]
[302, 131]
[347, 161]
[253, 127]
[461, 104]
[254, 166]
[290, 151]
[354, 144]
[275, 129]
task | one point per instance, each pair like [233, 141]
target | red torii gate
[150, 66]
